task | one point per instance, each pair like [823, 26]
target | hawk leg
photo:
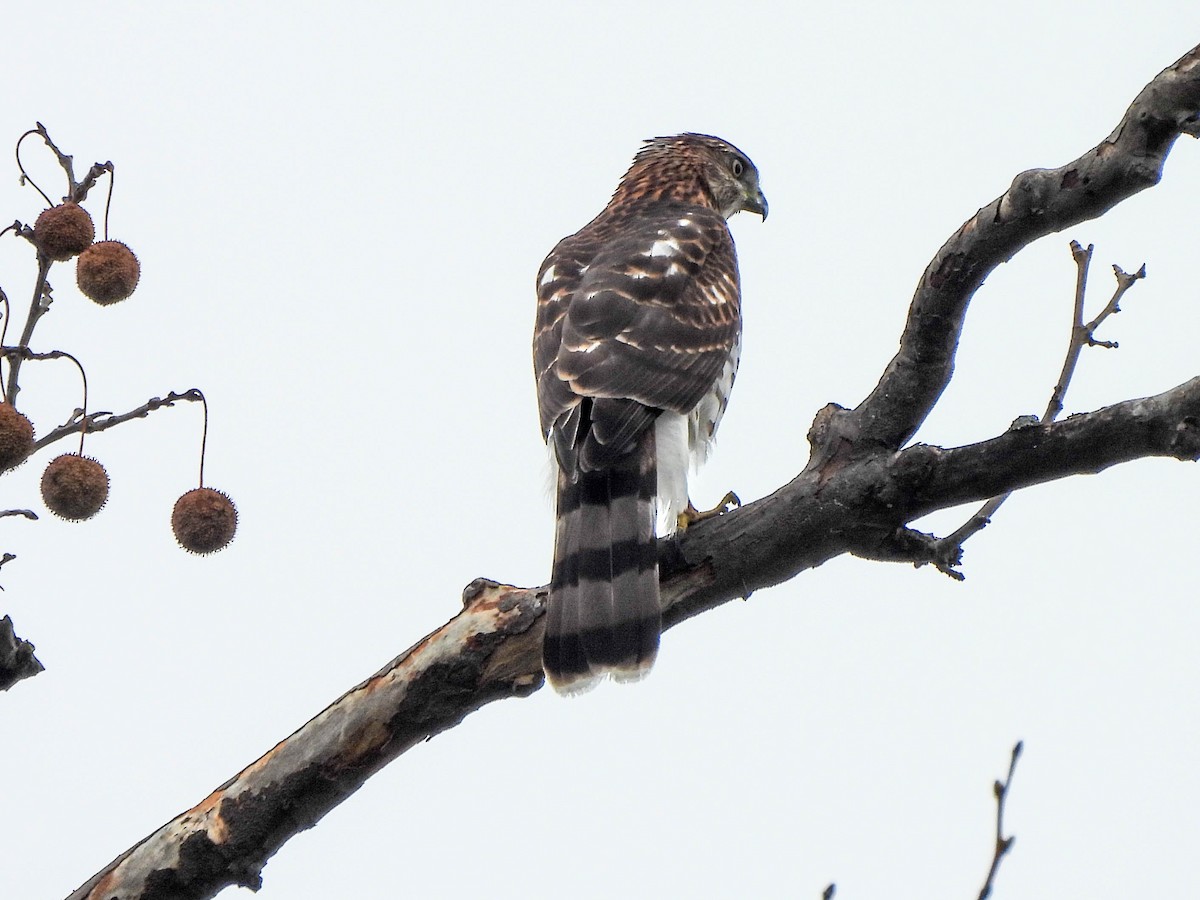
[691, 515]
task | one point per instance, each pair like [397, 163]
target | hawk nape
[634, 350]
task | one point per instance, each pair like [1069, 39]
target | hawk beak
[757, 204]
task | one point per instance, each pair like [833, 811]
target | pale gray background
[340, 210]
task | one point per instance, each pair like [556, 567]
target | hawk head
[697, 168]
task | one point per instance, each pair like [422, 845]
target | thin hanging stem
[7, 316]
[83, 420]
[25, 175]
[204, 433]
[112, 177]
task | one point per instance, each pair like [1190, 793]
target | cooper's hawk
[635, 351]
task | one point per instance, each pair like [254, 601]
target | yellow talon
[691, 515]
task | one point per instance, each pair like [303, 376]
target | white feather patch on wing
[671, 448]
[665, 247]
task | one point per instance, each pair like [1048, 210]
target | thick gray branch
[861, 506]
[1039, 202]
[1166, 424]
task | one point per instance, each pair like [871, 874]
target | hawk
[635, 348]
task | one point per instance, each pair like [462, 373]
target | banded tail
[603, 615]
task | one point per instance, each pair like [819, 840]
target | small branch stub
[16, 654]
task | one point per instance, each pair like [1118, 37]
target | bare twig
[5, 559]
[1085, 334]
[82, 421]
[1003, 844]
[76, 191]
[1082, 335]
[27, 513]
[12, 353]
[80, 191]
[101, 421]
[1083, 260]
[38, 307]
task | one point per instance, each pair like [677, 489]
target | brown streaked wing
[558, 279]
[656, 313]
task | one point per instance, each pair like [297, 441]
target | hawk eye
[737, 168]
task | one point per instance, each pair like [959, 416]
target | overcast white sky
[340, 210]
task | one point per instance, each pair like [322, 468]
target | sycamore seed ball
[16, 437]
[74, 487]
[107, 272]
[64, 231]
[204, 520]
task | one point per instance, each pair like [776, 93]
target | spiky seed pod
[204, 520]
[64, 231]
[107, 272]
[16, 437]
[74, 487]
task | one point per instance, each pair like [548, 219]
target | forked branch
[1039, 202]
[102, 421]
[948, 554]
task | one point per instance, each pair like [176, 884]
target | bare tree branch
[77, 191]
[856, 495]
[492, 649]
[100, 421]
[38, 307]
[1039, 202]
[861, 506]
[1082, 335]
[1003, 844]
